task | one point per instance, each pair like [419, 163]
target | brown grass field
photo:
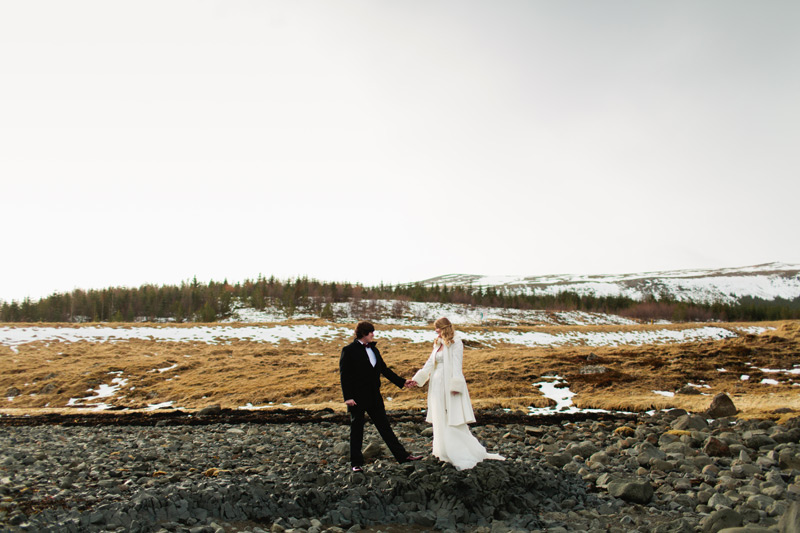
[305, 374]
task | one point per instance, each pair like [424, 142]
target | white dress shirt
[371, 354]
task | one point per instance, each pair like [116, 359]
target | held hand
[350, 403]
[410, 384]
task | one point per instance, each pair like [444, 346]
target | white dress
[452, 443]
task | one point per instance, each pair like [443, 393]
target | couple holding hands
[449, 406]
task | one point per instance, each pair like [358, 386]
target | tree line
[193, 301]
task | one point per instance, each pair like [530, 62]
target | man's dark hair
[363, 329]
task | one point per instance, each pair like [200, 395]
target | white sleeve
[457, 381]
[424, 373]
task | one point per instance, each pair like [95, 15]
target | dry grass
[233, 375]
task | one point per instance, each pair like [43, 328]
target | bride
[449, 407]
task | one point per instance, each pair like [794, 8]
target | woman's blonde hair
[446, 331]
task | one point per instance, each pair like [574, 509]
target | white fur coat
[459, 406]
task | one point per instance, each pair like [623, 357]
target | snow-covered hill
[728, 285]
[424, 313]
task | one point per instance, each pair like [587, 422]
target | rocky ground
[670, 471]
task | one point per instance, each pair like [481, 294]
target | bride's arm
[424, 373]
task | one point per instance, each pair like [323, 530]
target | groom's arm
[346, 375]
[390, 375]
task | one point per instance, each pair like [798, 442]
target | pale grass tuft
[679, 432]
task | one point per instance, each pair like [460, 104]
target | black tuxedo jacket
[360, 380]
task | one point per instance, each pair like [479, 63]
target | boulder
[745, 471]
[757, 439]
[719, 520]
[719, 500]
[631, 491]
[676, 412]
[599, 458]
[788, 460]
[721, 406]
[790, 521]
[50, 388]
[584, 449]
[604, 479]
[716, 448]
[210, 410]
[690, 422]
[342, 448]
[647, 452]
[559, 460]
[783, 436]
[373, 449]
[747, 529]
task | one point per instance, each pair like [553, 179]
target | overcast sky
[154, 141]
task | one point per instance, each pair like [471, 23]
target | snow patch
[274, 334]
[162, 405]
[556, 389]
[252, 407]
[103, 391]
[795, 371]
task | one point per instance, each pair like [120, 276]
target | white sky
[152, 141]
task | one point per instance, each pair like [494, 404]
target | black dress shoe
[357, 469]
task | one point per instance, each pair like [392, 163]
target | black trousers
[377, 413]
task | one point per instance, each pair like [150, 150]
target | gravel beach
[663, 472]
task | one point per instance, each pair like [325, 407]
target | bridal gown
[453, 444]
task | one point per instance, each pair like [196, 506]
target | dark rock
[716, 448]
[747, 529]
[788, 460]
[782, 437]
[583, 449]
[559, 460]
[342, 449]
[757, 440]
[689, 390]
[721, 407]
[718, 520]
[372, 450]
[210, 410]
[48, 389]
[675, 413]
[690, 422]
[631, 491]
[790, 521]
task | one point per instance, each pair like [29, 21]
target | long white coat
[459, 406]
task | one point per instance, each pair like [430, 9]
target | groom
[360, 369]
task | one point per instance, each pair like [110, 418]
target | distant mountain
[728, 285]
